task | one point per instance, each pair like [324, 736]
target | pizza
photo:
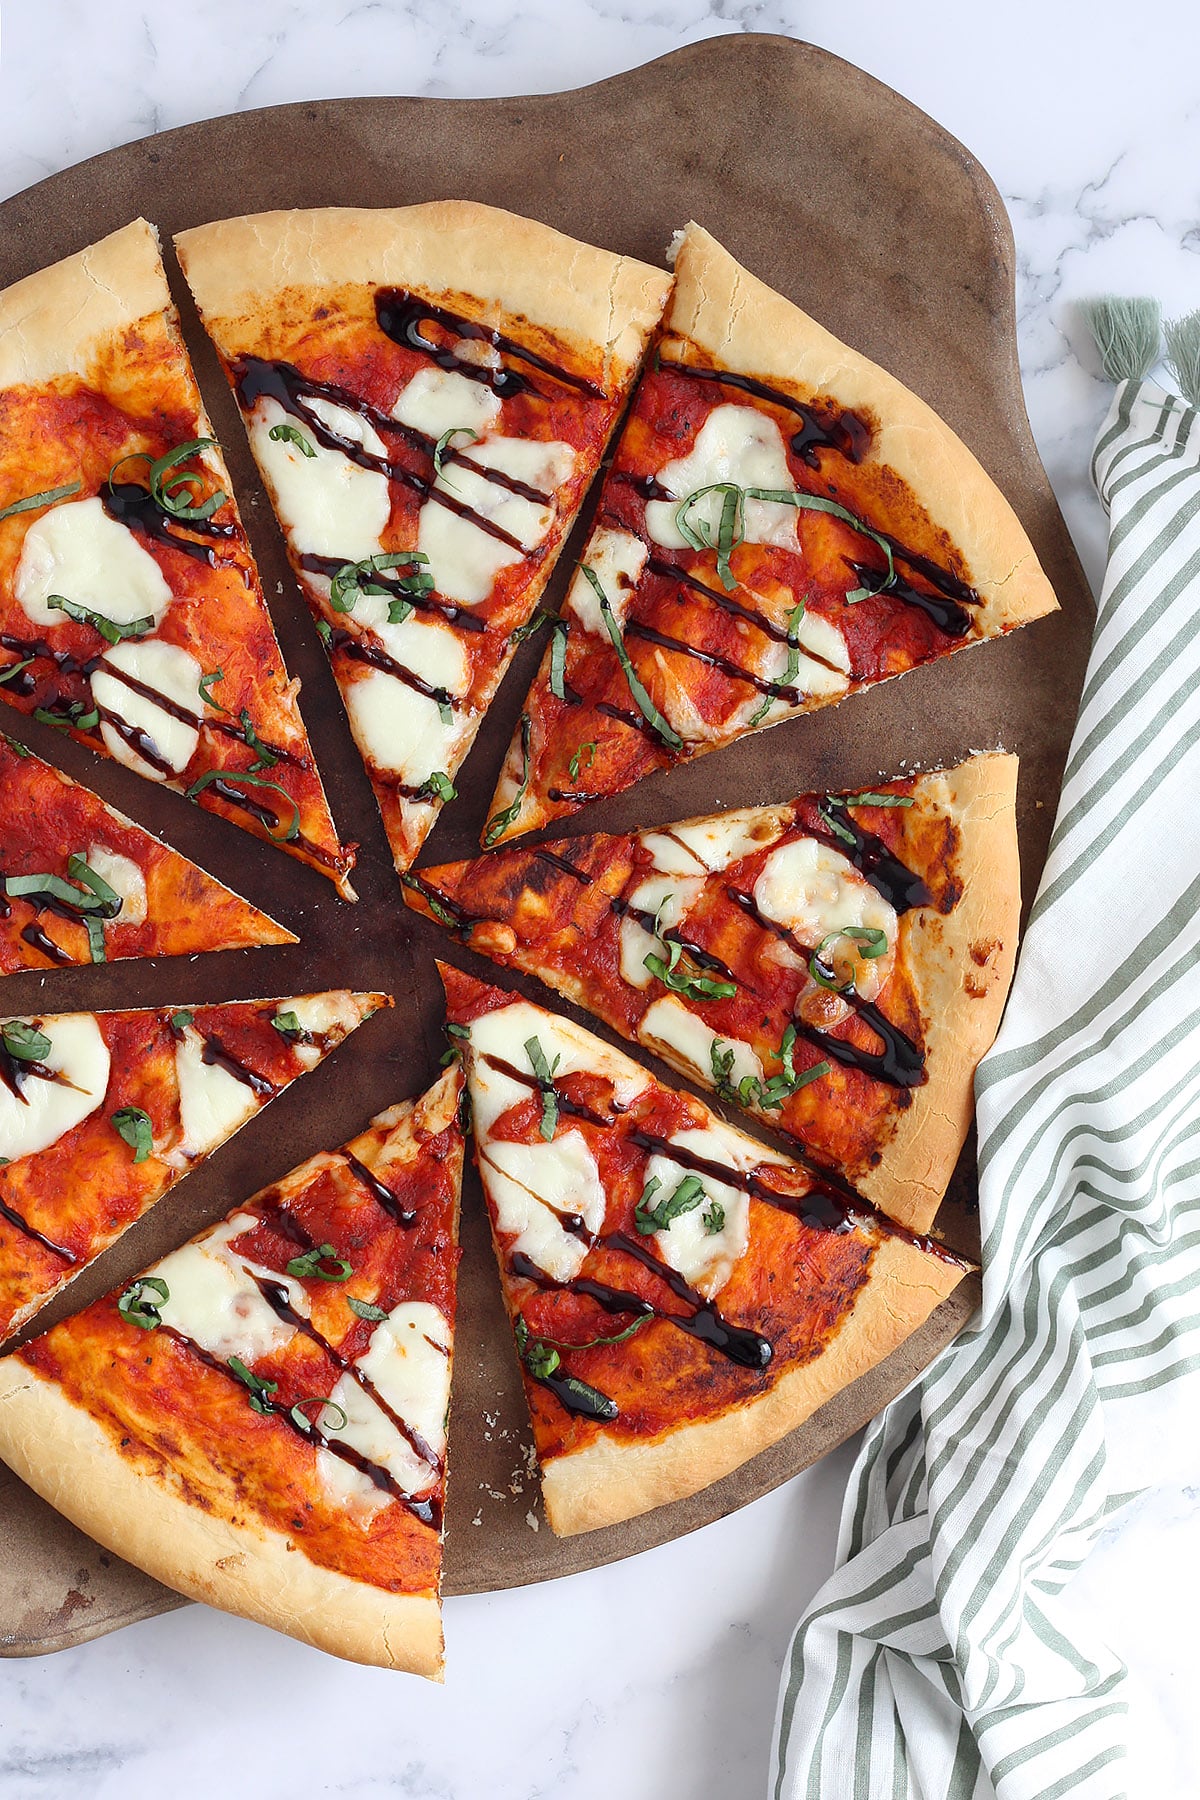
[101, 1113]
[836, 965]
[681, 1296]
[131, 614]
[428, 392]
[259, 1420]
[81, 883]
[783, 524]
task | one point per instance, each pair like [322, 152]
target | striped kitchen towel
[938, 1661]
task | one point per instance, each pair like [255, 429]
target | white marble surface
[1089, 120]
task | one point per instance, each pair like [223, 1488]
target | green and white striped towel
[937, 1661]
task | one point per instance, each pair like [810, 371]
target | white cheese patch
[705, 1258]
[399, 729]
[669, 1025]
[329, 506]
[504, 1034]
[668, 896]
[124, 878]
[213, 1299]
[735, 444]
[172, 673]
[437, 400]
[812, 674]
[82, 554]
[408, 1364]
[48, 1109]
[319, 1014]
[617, 559]
[529, 1184]
[429, 647]
[463, 559]
[212, 1102]
[713, 844]
[813, 890]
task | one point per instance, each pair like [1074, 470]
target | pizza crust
[609, 1481]
[748, 328]
[965, 960]
[56, 321]
[513, 268]
[65, 1456]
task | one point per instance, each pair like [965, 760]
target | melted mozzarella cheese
[617, 559]
[48, 1109]
[80, 553]
[399, 730]
[465, 560]
[813, 674]
[669, 1026]
[437, 400]
[212, 1102]
[213, 1300]
[530, 1184]
[124, 878]
[667, 896]
[735, 444]
[329, 505]
[702, 1256]
[711, 844]
[172, 673]
[813, 889]
[407, 1362]
[429, 647]
[319, 1014]
[504, 1034]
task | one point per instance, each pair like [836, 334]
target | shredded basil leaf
[364, 1309]
[878, 800]
[16, 748]
[871, 942]
[135, 1309]
[289, 1026]
[325, 630]
[24, 1041]
[354, 579]
[558, 659]
[574, 765]
[74, 719]
[825, 812]
[437, 786]
[497, 826]
[545, 1077]
[180, 1021]
[750, 1092]
[109, 629]
[133, 1126]
[645, 705]
[31, 502]
[263, 757]
[14, 669]
[531, 625]
[731, 529]
[178, 495]
[521, 1324]
[240, 777]
[657, 1217]
[308, 1266]
[681, 981]
[418, 887]
[713, 1217]
[259, 1389]
[205, 685]
[793, 664]
[300, 1418]
[443, 444]
[291, 434]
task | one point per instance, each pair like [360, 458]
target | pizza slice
[101, 1113]
[131, 613]
[836, 965]
[783, 524]
[428, 392]
[681, 1296]
[81, 883]
[259, 1420]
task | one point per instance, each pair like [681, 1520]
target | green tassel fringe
[1126, 333]
[1183, 355]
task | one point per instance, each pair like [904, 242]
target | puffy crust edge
[52, 322]
[65, 1456]
[515, 266]
[749, 328]
[607, 1481]
[960, 1024]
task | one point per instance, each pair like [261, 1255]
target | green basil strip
[299, 1417]
[74, 719]
[308, 1267]
[418, 887]
[588, 749]
[558, 659]
[325, 630]
[595, 1343]
[877, 800]
[793, 663]
[289, 1026]
[713, 1217]
[545, 1077]
[818, 503]
[651, 1218]
[531, 625]
[731, 527]
[437, 786]
[133, 1126]
[79, 869]
[180, 1021]
[263, 757]
[135, 1309]
[364, 1309]
[14, 669]
[871, 941]
[354, 579]
[243, 777]
[645, 705]
[16, 748]
[31, 502]
[259, 1389]
[498, 825]
[695, 987]
[825, 812]
[443, 444]
[20, 887]
[177, 495]
[109, 629]
[206, 684]
[24, 1041]
[290, 434]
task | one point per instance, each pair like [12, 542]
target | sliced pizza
[80, 883]
[836, 965]
[428, 391]
[101, 1113]
[259, 1420]
[131, 613]
[681, 1296]
[783, 524]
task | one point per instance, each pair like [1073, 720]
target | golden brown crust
[964, 964]
[516, 267]
[65, 1456]
[746, 327]
[53, 322]
[609, 1481]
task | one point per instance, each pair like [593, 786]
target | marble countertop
[1092, 133]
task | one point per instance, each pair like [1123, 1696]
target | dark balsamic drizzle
[634, 720]
[647, 920]
[715, 660]
[14, 1218]
[461, 616]
[214, 1051]
[849, 435]
[949, 617]
[462, 919]
[877, 864]
[566, 868]
[401, 314]
[383, 1196]
[360, 651]
[574, 796]
[37, 939]
[135, 507]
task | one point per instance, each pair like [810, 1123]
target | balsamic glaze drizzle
[877, 864]
[359, 650]
[383, 1196]
[704, 959]
[14, 1218]
[214, 1051]
[400, 315]
[846, 433]
[461, 616]
[565, 867]
[135, 506]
